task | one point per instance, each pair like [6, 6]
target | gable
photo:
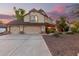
[40, 17]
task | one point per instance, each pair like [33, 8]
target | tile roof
[20, 22]
[3, 25]
[38, 11]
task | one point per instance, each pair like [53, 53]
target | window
[34, 18]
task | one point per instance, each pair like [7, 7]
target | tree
[75, 27]
[62, 25]
[19, 13]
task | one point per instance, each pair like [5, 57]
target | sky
[53, 10]
[7, 8]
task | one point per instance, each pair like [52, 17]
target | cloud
[58, 9]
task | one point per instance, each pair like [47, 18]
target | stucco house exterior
[34, 22]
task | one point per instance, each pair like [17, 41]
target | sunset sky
[7, 8]
[53, 10]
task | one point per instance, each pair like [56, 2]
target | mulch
[65, 45]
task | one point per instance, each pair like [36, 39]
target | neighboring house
[34, 22]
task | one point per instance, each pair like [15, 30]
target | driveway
[23, 45]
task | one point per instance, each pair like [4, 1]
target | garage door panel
[32, 29]
[14, 29]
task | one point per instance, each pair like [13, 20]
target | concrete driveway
[23, 45]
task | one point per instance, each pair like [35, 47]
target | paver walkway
[23, 45]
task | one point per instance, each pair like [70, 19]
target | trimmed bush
[50, 31]
[74, 30]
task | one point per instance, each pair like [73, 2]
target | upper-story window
[34, 18]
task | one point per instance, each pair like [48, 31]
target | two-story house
[34, 22]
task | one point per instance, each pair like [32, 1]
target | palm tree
[19, 13]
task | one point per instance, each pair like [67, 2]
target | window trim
[34, 18]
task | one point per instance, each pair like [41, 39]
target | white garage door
[32, 30]
[14, 30]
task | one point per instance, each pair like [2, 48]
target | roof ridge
[33, 10]
[41, 11]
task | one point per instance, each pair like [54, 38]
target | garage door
[14, 30]
[32, 30]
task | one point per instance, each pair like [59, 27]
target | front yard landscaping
[63, 44]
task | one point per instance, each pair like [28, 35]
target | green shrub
[75, 30]
[78, 30]
[50, 30]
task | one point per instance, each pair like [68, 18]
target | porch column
[8, 29]
[21, 28]
[42, 29]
